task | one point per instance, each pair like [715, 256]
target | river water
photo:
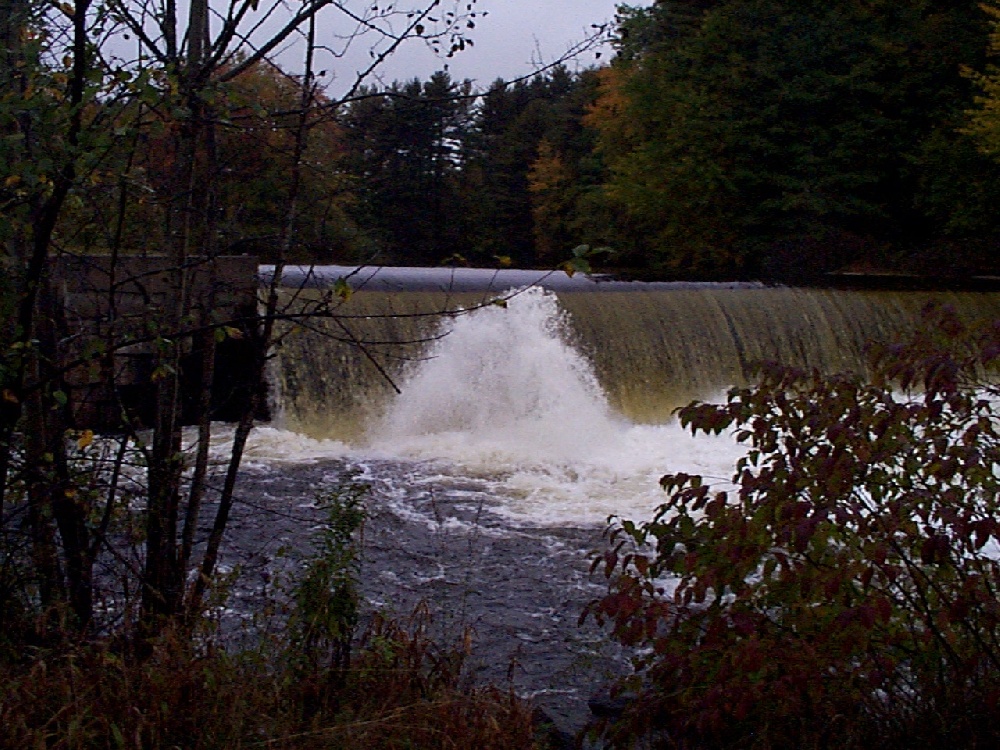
[518, 429]
[492, 476]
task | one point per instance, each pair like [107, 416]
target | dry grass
[401, 691]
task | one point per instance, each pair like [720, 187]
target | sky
[513, 39]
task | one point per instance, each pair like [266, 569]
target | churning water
[504, 400]
[559, 406]
[517, 430]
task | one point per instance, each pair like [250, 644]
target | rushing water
[506, 400]
[517, 430]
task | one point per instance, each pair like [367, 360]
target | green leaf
[343, 289]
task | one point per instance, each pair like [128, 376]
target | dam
[499, 427]
[651, 346]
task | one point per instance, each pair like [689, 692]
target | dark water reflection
[519, 590]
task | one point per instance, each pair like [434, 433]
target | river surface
[499, 551]
[518, 429]
[492, 476]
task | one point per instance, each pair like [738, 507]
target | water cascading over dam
[650, 351]
[519, 428]
[550, 385]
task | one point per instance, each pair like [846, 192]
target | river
[517, 430]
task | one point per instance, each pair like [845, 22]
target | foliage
[581, 257]
[737, 130]
[402, 692]
[326, 597]
[844, 591]
[984, 119]
[437, 168]
[253, 161]
[565, 178]
[522, 208]
[404, 157]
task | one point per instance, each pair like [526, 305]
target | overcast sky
[514, 39]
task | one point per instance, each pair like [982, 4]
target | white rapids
[505, 401]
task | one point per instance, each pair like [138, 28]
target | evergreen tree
[568, 205]
[404, 154]
[769, 137]
[499, 149]
[517, 125]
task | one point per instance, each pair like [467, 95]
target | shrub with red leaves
[844, 591]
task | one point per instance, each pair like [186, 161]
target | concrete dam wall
[107, 318]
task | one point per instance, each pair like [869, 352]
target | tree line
[765, 139]
[784, 140]
[739, 139]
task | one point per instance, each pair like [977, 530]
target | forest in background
[783, 140]
[727, 139]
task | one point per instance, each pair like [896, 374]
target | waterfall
[644, 352]
[560, 403]
[503, 380]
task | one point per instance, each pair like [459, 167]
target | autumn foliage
[843, 591]
[249, 162]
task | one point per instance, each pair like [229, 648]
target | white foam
[505, 398]
[503, 407]
[266, 445]
[501, 386]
